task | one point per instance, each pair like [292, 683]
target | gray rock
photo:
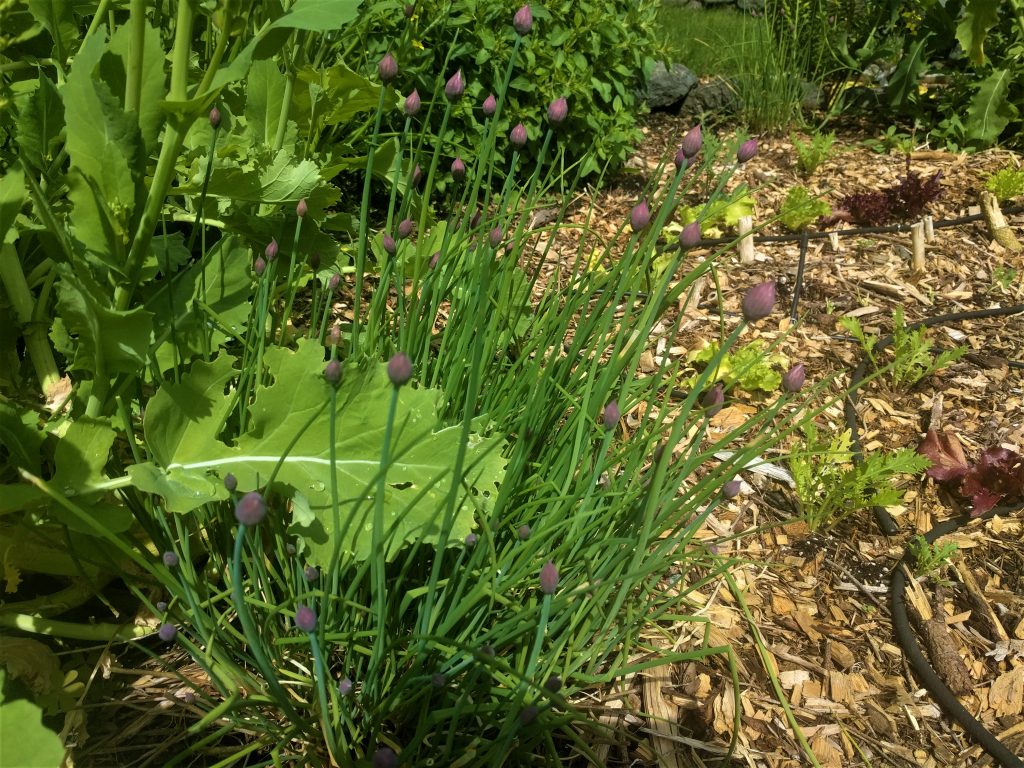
[667, 87]
[750, 5]
[716, 96]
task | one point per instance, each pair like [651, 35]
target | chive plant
[429, 559]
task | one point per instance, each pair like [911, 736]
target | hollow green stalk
[321, 688]
[37, 342]
[291, 279]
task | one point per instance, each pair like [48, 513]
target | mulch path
[820, 600]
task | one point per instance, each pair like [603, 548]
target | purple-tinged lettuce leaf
[946, 455]
[998, 476]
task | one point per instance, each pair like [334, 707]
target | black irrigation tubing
[945, 698]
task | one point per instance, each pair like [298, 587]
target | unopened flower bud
[332, 373]
[301, 208]
[490, 105]
[759, 301]
[314, 261]
[692, 142]
[389, 244]
[690, 236]
[681, 160]
[793, 380]
[458, 169]
[438, 680]
[334, 281]
[311, 572]
[271, 250]
[713, 399]
[612, 414]
[747, 151]
[167, 632]
[161, 606]
[494, 238]
[454, 87]
[528, 714]
[409, 10]
[385, 757]
[548, 578]
[731, 489]
[215, 117]
[524, 532]
[345, 687]
[434, 259]
[553, 683]
[640, 216]
[523, 20]
[387, 68]
[471, 540]
[399, 369]
[259, 266]
[251, 508]
[305, 618]
[170, 559]
[405, 227]
[412, 103]
[518, 136]
[417, 174]
[557, 110]
[334, 335]
[230, 482]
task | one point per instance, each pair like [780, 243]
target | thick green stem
[165, 168]
[136, 49]
[96, 633]
[36, 340]
[321, 688]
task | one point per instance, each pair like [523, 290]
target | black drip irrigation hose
[940, 692]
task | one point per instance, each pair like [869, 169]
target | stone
[668, 87]
[717, 97]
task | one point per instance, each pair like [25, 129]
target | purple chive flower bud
[528, 714]
[301, 208]
[385, 757]
[314, 261]
[747, 151]
[690, 236]
[311, 572]
[399, 369]
[794, 378]
[388, 242]
[161, 607]
[523, 20]
[387, 68]
[251, 508]
[490, 105]
[612, 414]
[475, 221]
[518, 136]
[557, 110]
[640, 216]
[713, 399]
[345, 687]
[289, 548]
[524, 532]
[409, 10]
[471, 540]
[692, 142]
[334, 335]
[259, 266]
[167, 632]
[271, 250]
[458, 169]
[332, 373]
[548, 578]
[731, 489]
[412, 103]
[405, 227]
[434, 259]
[438, 680]
[680, 160]
[230, 482]
[758, 301]
[171, 559]
[494, 237]
[454, 87]
[334, 281]
[305, 618]
[214, 117]
[417, 174]
[487, 650]
[553, 683]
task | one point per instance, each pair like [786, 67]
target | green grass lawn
[711, 42]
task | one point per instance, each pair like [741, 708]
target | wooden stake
[917, 246]
[833, 240]
[997, 225]
[746, 244]
[929, 229]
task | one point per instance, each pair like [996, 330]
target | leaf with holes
[288, 436]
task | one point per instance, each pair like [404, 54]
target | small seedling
[800, 210]
[1006, 184]
[830, 486]
[912, 358]
[929, 558]
[1005, 276]
[811, 154]
[891, 140]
